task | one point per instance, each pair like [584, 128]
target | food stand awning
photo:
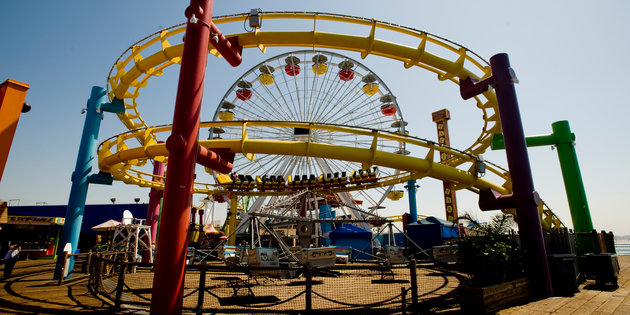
[31, 220]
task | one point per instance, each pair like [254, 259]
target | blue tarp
[350, 231]
[352, 236]
[448, 228]
[429, 232]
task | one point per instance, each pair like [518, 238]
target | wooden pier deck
[31, 290]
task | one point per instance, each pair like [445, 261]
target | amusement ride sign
[440, 118]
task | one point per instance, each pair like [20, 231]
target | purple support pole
[524, 197]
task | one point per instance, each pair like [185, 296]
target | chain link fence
[213, 287]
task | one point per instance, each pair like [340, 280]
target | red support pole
[168, 279]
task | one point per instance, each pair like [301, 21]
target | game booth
[38, 236]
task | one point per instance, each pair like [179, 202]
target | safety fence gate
[213, 287]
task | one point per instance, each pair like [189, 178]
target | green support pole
[564, 140]
[578, 204]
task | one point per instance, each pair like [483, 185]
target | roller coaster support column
[12, 95]
[524, 199]
[155, 200]
[231, 220]
[168, 280]
[564, 140]
[81, 177]
[413, 208]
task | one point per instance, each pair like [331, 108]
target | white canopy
[108, 225]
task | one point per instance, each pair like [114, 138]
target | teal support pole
[564, 140]
[413, 208]
[81, 177]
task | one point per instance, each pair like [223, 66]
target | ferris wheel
[313, 87]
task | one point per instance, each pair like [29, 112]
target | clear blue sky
[570, 57]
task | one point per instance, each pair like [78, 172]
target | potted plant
[493, 262]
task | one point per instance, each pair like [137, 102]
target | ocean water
[622, 249]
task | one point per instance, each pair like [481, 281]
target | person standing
[10, 259]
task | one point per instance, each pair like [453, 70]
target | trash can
[603, 268]
[564, 274]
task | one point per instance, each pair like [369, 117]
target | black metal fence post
[121, 282]
[86, 262]
[308, 273]
[414, 284]
[403, 297]
[99, 272]
[202, 288]
[64, 258]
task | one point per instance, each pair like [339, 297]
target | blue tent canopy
[352, 236]
[350, 231]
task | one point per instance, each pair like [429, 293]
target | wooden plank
[593, 304]
[553, 304]
[610, 305]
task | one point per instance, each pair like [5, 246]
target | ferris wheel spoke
[325, 88]
[271, 133]
[335, 94]
[292, 110]
[273, 108]
[259, 163]
[335, 115]
[270, 108]
[321, 106]
[362, 105]
[281, 105]
[254, 111]
[299, 99]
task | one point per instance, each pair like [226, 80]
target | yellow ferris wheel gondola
[319, 64]
[395, 195]
[371, 85]
[266, 76]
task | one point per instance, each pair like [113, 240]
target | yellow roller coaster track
[448, 60]
[117, 156]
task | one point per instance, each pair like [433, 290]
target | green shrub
[488, 255]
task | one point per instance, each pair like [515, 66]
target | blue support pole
[325, 212]
[81, 177]
[413, 208]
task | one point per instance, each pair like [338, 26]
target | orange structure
[12, 95]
